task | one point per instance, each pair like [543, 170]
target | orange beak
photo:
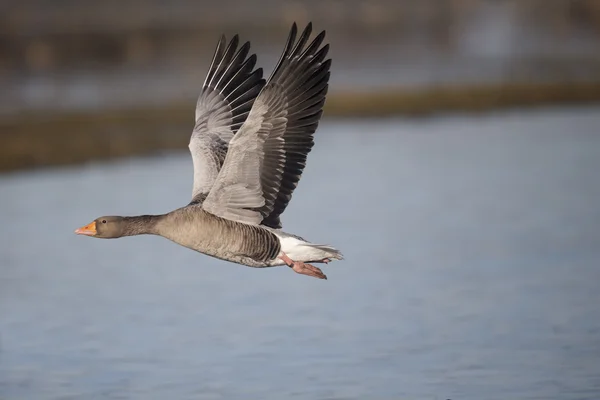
[88, 230]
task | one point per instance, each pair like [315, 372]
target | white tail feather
[298, 249]
[331, 252]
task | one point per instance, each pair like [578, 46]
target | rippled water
[472, 266]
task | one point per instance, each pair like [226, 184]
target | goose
[249, 147]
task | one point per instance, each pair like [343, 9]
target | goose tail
[328, 251]
[299, 249]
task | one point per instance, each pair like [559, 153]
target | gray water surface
[472, 251]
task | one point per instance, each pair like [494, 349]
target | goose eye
[103, 221]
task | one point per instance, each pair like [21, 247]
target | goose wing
[267, 156]
[227, 95]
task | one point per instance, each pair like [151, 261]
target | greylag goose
[249, 148]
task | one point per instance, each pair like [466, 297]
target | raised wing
[267, 156]
[227, 95]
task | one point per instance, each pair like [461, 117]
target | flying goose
[249, 147]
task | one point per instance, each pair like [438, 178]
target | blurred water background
[472, 239]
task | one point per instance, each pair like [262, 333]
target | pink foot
[307, 269]
[303, 268]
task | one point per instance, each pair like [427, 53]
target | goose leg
[323, 260]
[302, 268]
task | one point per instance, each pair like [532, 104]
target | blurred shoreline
[114, 78]
[60, 138]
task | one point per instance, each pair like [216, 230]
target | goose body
[249, 148]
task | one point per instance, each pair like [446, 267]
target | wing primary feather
[314, 90]
[287, 76]
[320, 77]
[245, 93]
[215, 60]
[320, 55]
[305, 80]
[226, 59]
[314, 45]
[242, 105]
[302, 41]
[288, 46]
[241, 75]
[233, 66]
[311, 110]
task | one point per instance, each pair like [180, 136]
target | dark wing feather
[266, 158]
[304, 77]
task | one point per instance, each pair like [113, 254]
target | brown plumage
[249, 147]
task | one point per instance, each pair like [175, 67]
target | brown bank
[38, 140]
